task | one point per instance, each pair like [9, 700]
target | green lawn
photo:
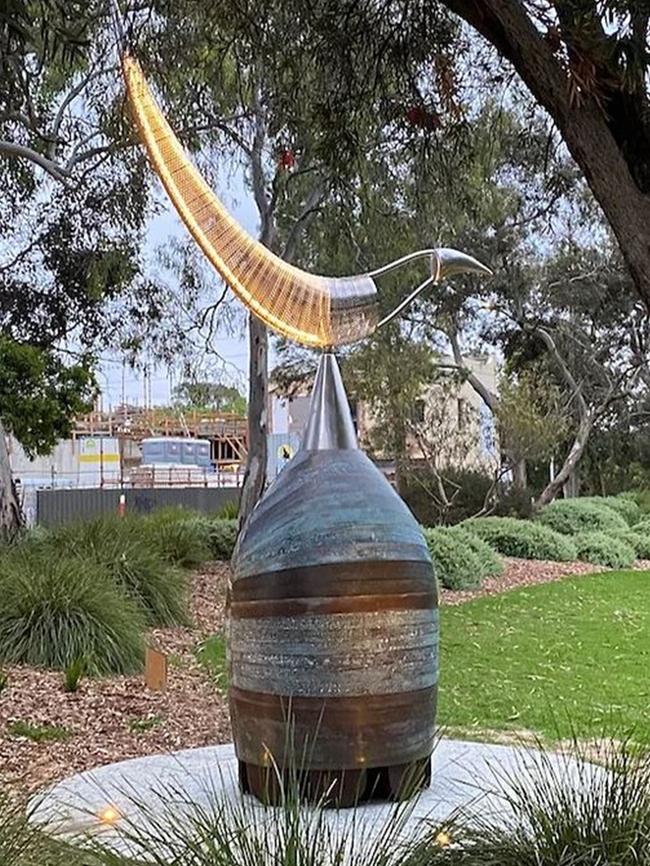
[549, 658]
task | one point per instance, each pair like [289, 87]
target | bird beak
[450, 262]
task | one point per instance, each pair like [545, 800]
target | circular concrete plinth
[171, 797]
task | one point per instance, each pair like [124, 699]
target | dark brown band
[379, 577]
[336, 733]
[338, 604]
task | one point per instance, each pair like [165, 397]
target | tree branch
[566, 374]
[58, 172]
[490, 399]
[309, 211]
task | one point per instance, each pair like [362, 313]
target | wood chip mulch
[518, 573]
[114, 719]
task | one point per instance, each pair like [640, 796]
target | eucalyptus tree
[244, 76]
[75, 201]
[493, 186]
[586, 62]
[577, 315]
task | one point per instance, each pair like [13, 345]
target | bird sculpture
[332, 618]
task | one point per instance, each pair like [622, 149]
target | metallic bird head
[447, 262]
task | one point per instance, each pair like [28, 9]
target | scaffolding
[227, 433]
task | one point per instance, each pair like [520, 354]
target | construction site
[106, 450]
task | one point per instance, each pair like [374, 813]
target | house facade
[450, 424]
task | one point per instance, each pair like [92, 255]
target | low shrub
[638, 541]
[223, 536]
[180, 536]
[124, 549]
[491, 563]
[466, 489]
[626, 508]
[57, 609]
[643, 526]
[570, 516]
[600, 548]
[522, 538]
[456, 565]
[640, 497]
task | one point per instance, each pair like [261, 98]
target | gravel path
[114, 719]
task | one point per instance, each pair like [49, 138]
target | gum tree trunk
[255, 477]
[610, 146]
[11, 516]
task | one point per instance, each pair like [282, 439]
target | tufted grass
[58, 608]
[126, 550]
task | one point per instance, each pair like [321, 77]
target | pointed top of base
[329, 424]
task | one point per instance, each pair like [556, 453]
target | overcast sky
[111, 377]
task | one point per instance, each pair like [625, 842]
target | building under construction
[227, 434]
[105, 450]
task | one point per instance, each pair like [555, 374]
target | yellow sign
[285, 451]
[94, 450]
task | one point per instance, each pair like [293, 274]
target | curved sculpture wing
[313, 310]
[310, 309]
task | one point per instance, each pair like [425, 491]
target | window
[462, 414]
[417, 412]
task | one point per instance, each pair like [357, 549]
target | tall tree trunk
[571, 487]
[11, 515]
[519, 474]
[255, 477]
[583, 124]
[554, 487]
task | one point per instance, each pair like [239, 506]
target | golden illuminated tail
[313, 310]
[310, 309]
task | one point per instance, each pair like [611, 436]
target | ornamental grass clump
[570, 813]
[455, 564]
[122, 549]
[522, 538]
[536, 809]
[571, 516]
[229, 510]
[600, 548]
[223, 537]
[23, 844]
[58, 608]
[181, 536]
[217, 830]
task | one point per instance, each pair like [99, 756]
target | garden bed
[111, 719]
[47, 733]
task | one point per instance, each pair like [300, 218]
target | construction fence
[56, 507]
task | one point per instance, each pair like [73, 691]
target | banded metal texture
[332, 628]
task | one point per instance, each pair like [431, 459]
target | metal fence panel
[56, 507]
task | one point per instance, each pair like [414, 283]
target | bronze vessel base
[339, 790]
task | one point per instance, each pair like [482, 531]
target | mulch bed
[114, 719]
